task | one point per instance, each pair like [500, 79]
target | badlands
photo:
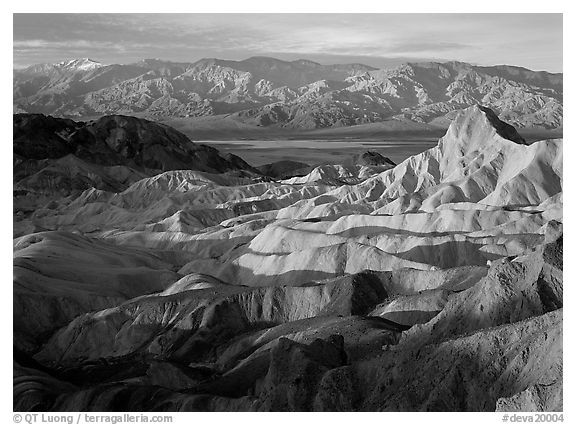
[152, 273]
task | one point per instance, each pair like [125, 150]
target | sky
[532, 41]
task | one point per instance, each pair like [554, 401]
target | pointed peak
[81, 64]
[476, 129]
[478, 120]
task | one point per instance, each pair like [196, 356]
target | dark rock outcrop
[117, 140]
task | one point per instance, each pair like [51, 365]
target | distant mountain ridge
[300, 94]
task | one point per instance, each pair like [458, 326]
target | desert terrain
[157, 273]
[283, 235]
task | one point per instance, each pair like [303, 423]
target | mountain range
[301, 94]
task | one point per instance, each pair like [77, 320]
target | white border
[300, 6]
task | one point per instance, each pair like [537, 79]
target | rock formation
[431, 285]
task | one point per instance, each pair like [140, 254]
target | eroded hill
[432, 284]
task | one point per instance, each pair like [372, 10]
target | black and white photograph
[287, 212]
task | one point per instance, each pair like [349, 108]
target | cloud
[418, 46]
[47, 44]
[481, 38]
